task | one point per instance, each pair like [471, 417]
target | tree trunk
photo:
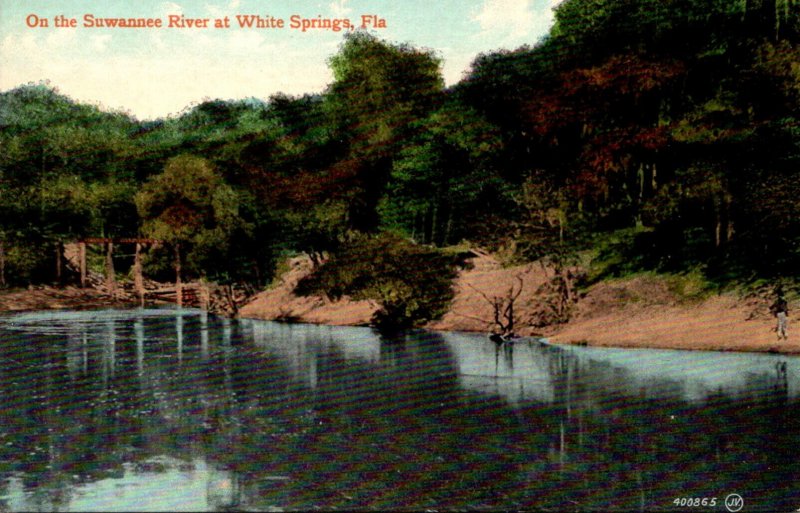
[509, 329]
[205, 295]
[569, 287]
[178, 284]
[138, 279]
[729, 232]
[82, 263]
[426, 225]
[641, 185]
[258, 273]
[653, 180]
[448, 227]
[781, 18]
[233, 308]
[434, 220]
[111, 283]
[773, 17]
[761, 19]
[2, 264]
[59, 265]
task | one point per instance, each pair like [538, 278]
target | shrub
[412, 283]
[27, 263]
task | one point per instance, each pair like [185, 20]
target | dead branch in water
[504, 318]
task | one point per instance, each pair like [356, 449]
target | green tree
[191, 208]
[294, 169]
[411, 283]
[438, 177]
[379, 90]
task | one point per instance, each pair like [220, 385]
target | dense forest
[655, 135]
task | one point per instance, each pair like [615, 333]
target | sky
[158, 72]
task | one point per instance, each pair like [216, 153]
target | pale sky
[158, 72]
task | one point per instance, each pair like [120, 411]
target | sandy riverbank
[639, 312]
[720, 323]
[53, 298]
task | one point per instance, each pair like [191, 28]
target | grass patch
[611, 255]
[690, 286]
[282, 267]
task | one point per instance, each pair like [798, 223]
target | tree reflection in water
[151, 409]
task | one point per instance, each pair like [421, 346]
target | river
[177, 410]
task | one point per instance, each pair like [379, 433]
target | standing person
[780, 309]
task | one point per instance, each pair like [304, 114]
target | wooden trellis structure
[138, 277]
[197, 293]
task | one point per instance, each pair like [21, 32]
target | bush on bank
[411, 283]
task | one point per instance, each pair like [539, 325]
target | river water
[176, 410]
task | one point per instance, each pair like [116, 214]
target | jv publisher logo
[734, 502]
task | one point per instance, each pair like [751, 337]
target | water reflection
[178, 410]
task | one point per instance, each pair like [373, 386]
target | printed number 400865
[693, 502]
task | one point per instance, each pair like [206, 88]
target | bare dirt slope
[476, 288]
[470, 310]
[281, 303]
[637, 312]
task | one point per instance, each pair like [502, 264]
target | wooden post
[59, 251]
[82, 258]
[205, 296]
[138, 279]
[110, 281]
[178, 285]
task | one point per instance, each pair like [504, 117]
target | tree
[411, 283]
[190, 208]
[60, 161]
[503, 318]
[379, 90]
[296, 170]
[553, 231]
[438, 177]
